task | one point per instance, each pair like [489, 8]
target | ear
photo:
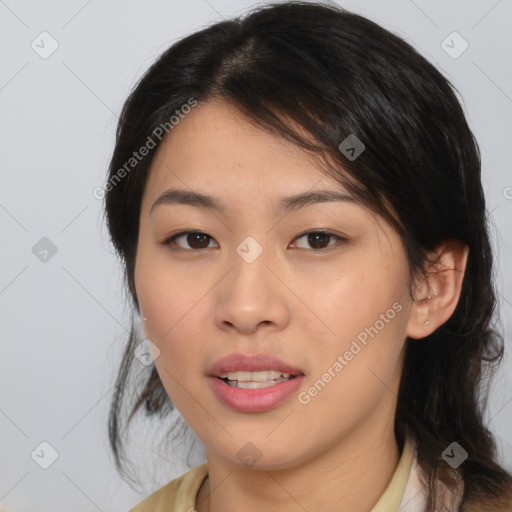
[437, 294]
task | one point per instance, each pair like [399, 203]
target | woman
[296, 199]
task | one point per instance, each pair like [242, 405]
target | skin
[306, 307]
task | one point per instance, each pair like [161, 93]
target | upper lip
[251, 363]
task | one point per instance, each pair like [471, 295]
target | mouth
[256, 379]
[254, 391]
[249, 383]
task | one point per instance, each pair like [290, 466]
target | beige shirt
[404, 492]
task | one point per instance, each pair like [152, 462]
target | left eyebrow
[295, 202]
[285, 204]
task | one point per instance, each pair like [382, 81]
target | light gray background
[64, 322]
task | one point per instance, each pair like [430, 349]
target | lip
[253, 400]
[251, 363]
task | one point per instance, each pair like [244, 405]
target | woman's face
[332, 306]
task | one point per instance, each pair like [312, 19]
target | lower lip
[254, 400]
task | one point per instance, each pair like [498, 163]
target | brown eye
[319, 240]
[196, 240]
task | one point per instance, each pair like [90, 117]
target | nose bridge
[250, 275]
[250, 250]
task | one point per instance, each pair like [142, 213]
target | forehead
[215, 147]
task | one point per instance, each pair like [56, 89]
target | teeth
[255, 385]
[260, 376]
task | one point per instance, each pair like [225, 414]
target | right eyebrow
[179, 196]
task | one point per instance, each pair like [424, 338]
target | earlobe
[144, 327]
[439, 292]
[142, 320]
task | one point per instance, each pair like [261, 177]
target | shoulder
[449, 498]
[177, 495]
[418, 487]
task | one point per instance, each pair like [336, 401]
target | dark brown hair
[334, 73]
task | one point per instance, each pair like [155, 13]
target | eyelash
[329, 234]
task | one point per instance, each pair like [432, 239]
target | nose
[251, 297]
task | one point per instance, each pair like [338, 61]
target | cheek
[176, 311]
[174, 316]
[366, 311]
[370, 346]
[359, 295]
[167, 296]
